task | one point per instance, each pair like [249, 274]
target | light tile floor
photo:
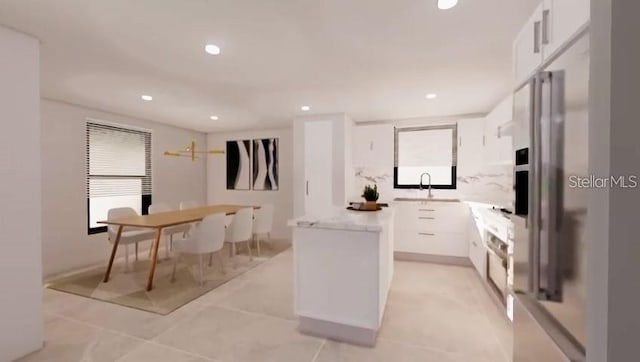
[435, 313]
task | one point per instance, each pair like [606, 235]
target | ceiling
[375, 60]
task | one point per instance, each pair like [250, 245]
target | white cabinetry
[561, 19]
[470, 146]
[552, 24]
[486, 141]
[432, 228]
[498, 144]
[477, 249]
[322, 163]
[373, 146]
[527, 48]
[318, 167]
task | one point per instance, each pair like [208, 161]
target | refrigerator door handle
[533, 215]
[552, 125]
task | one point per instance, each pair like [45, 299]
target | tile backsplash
[492, 185]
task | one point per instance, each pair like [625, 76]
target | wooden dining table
[160, 221]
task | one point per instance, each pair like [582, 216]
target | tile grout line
[317, 354]
[417, 346]
[123, 334]
[253, 313]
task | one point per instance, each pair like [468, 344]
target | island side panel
[386, 258]
[337, 276]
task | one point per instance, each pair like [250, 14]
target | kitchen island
[343, 266]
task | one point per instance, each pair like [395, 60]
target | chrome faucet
[422, 185]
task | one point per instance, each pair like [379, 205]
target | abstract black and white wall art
[239, 165]
[265, 164]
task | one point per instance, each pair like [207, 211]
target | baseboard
[339, 332]
[436, 259]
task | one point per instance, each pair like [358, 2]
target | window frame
[454, 158]
[146, 200]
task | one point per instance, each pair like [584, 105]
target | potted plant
[371, 195]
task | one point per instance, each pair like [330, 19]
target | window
[421, 150]
[118, 172]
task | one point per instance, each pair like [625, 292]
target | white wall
[282, 199]
[21, 326]
[66, 244]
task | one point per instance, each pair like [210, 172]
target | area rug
[128, 287]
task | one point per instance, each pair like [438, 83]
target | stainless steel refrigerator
[549, 253]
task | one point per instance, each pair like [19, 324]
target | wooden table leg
[154, 258]
[113, 253]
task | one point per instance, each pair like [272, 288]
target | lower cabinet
[435, 228]
[477, 250]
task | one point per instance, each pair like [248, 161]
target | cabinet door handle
[426, 218]
[427, 234]
[460, 142]
[545, 26]
[536, 37]
[307, 188]
[474, 243]
[429, 210]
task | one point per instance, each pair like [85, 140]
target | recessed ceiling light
[431, 96]
[146, 97]
[212, 49]
[305, 108]
[214, 118]
[447, 4]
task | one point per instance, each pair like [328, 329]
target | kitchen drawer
[431, 217]
[432, 243]
[428, 223]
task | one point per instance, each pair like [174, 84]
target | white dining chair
[262, 224]
[240, 230]
[185, 205]
[130, 235]
[170, 231]
[207, 238]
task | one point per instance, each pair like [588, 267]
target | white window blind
[118, 170]
[426, 150]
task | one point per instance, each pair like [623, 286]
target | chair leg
[249, 247]
[210, 259]
[258, 243]
[166, 246]
[175, 265]
[233, 249]
[126, 257]
[200, 274]
[219, 253]
[136, 251]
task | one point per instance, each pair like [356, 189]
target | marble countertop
[342, 219]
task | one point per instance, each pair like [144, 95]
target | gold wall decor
[190, 151]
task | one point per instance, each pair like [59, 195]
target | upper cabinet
[560, 20]
[486, 141]
[498, 141]
[373, 146]
[552, 24]
[470, 146]
[527, 48]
